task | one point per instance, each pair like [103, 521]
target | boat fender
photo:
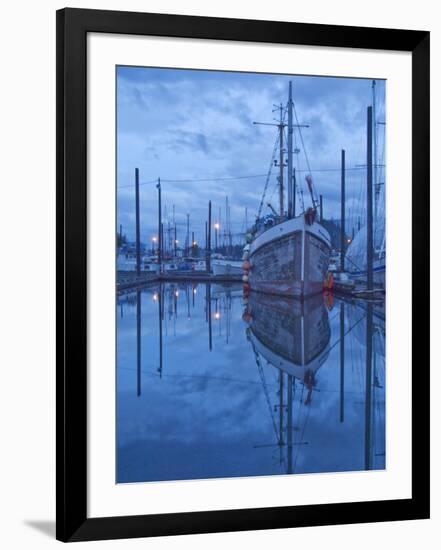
[329, 282]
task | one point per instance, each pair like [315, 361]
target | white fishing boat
[290, 259]
[226, 267]
[288, 254]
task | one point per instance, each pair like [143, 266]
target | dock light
[349, 241]
[216, 226]
[195, 243]
[176, 241]
[217, 315]
[155, 297]
[194, 291]
[154, 239]
[177, 293]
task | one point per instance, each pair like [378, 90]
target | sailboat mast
[370, 232]
[374, 144]
[290, 132]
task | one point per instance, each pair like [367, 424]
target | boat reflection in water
[293, 336]
[289, 334]
[296, 388]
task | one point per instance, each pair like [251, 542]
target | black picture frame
[71, 428]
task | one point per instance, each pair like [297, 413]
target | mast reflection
[293, 336]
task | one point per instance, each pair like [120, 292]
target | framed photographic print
[232, 351]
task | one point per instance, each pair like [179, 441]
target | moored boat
[291, 258]
[226, 267]
[287, 254]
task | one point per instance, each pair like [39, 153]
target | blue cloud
[192, 125]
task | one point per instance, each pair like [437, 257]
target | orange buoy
[329, 282]
[246, 265]
[329, 297]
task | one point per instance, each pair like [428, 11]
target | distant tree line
[333, 228]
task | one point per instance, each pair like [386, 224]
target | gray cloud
[192, 125]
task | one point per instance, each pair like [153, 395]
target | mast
[342, 361]
[368, 389]
[227, 232]
[281, 409]
[138, 343]
[160, 233]
[343, 214]
[294, 192]
[374, 136]
[289, 426]
[138, 239]
[370, 239]
[281, 163]
[290, 133]
[187, 238]
[160, 316]
[175, 241]
[281, 190]
[208, 306]
[208, 259]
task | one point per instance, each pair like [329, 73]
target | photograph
[250, 274]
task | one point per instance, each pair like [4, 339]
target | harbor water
[211, 387]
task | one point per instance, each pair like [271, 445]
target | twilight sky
[188, 125]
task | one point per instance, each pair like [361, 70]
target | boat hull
[226, 267]
[290, 259]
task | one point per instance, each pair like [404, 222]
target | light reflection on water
[209, 388]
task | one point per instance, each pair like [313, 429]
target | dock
[127, 280]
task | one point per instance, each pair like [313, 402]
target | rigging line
[301, 135]
[265, 386]
[133, 185]
[196, 180]
[229, 178]
[298, 198]
[347, 332]
[353, 263]
[353, 169]
[301, 439]
[268, 176]
[234, 178]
